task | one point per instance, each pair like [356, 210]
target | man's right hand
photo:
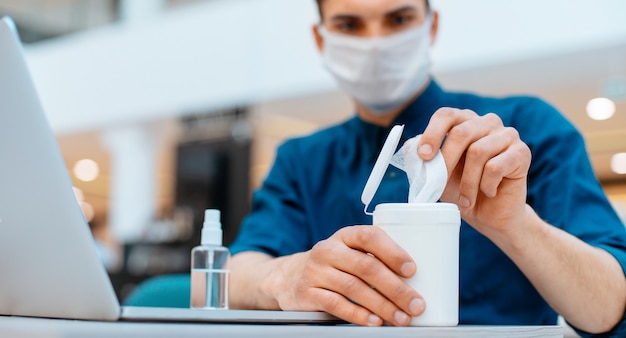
[354, 275]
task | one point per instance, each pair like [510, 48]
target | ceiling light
[618, 163]
[600, 108]
[86, 170]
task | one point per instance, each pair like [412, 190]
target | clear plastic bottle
[209, 278]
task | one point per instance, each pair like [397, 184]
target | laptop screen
[47, 255]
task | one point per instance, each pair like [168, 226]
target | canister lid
[380, 167]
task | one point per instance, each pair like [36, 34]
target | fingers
[340, 307]
[364, 296]
[374, 272]
[460, 128]
[478, 150]
[379, 262]
[461, 136]
[375, 241]
[359, 258]
[441, 123]
[512, 163]
[486, 165]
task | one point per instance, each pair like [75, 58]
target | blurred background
[163, 108]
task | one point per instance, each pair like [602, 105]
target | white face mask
[380, 73]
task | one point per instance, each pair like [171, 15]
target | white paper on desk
[427, 179]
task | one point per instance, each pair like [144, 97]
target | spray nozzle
[212, 228]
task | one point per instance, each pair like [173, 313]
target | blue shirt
[315, 185]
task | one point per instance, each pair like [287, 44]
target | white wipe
[427, 179]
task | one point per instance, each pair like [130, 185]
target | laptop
[48, 261]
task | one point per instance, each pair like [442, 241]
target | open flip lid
[380, 167]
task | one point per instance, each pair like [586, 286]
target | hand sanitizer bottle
[209, 279]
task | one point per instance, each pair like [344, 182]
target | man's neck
[387, 118]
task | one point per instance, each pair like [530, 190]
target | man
[538, 237]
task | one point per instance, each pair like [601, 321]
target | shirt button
[393, 174]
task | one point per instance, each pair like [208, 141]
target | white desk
[57, 328]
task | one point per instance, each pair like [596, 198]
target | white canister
[429, 232]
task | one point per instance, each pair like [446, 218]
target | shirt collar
[415, 118]
[417, 114]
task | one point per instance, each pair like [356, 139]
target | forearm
[584, 284]
[248, 270]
